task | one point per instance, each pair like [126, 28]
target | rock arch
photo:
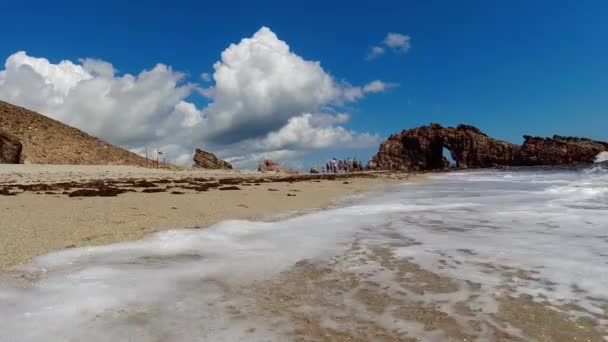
[421, 149]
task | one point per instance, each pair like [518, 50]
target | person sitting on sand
[313, 168]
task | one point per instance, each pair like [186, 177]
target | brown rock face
[421, 149]
[271, 167]
[208, 160]
[10, 148]
[560, 150]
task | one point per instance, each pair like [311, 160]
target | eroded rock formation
[10, 148]
[560, 150]
[208, 160]
[422, 148]
[271, 167]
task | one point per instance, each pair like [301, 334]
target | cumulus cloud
[260, 84]
[396, 42]
[264, 101]
[128, 110]
[301, 134]
[309, 131]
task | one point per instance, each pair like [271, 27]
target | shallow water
[542, 233]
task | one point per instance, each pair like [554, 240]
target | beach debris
[230, 181]
[143, 184]
[99, 192]
[113, 187]
[232, 187]
[6, 192]
[153, 190]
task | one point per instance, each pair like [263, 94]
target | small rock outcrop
[269, 166]
[208, 160]
[421, 149]
[10, 148]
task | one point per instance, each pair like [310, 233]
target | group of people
[339, 166]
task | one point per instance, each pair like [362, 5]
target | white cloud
[396, 42]
[374, 52]
[260, 84]
[309, 131]
[206, 77]
[378, 86]
[128, 110]
[259, 104]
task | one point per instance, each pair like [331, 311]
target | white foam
[176, 285]
[602, 157]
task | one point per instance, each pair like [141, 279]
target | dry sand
[34, 223]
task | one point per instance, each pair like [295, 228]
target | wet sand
[325, 300]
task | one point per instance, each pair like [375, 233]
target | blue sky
[508, 67]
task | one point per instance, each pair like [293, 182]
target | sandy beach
[381, 268]
[42, 219]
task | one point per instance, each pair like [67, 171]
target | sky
[304, 81]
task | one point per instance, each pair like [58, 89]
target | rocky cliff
[47, 141]
[206, 160]
[422, 149]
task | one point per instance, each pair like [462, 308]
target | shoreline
[44, 217]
